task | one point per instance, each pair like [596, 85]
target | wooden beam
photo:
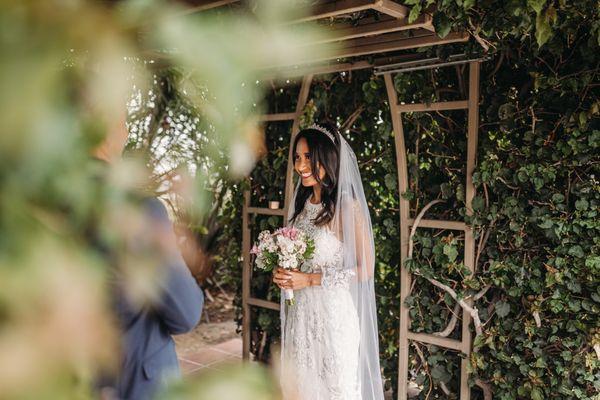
[439, 224]
[264, 211]
[318, 69]
[444, 342]
[380, 39]
[333, 9]
[438, 106]
[263, 303]
[328, 68]
[378, 44]
[372, 27]
[391, 8]
[429, 25]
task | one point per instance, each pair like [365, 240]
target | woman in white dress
[329, 336]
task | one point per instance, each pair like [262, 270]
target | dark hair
[322, 152]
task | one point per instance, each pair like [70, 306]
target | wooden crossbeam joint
[437, 106]
[271, 305]
[391, 8]
[439, 224]
[440, 341]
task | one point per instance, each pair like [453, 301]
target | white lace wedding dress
[322, 331]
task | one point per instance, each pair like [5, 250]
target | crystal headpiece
[323, 130]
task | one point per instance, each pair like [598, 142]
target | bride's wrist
[314, 279]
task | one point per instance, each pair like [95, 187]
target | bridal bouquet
[287, 248]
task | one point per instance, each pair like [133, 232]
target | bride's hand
[294, 279]
[281, 277]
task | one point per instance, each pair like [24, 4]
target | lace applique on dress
[328, 257]
[322, 332]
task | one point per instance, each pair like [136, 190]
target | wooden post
[463, 345]
[246, 274]
[469, 258]
[405, 278]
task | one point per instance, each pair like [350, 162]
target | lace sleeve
[335, 276]
[333, 273]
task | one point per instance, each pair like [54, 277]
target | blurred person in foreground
[148, 360]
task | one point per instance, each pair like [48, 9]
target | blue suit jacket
[148, 350]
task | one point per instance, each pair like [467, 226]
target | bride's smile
[302, 165]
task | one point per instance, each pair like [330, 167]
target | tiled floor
[211, 357]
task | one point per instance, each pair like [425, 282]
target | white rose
[286, 245]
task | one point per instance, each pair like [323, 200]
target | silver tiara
[323, 130]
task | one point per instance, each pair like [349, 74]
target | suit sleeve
[181, 301]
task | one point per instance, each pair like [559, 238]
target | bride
[330, 347]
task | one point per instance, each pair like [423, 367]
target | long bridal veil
[352, 225]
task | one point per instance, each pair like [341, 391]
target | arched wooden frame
[406, 222]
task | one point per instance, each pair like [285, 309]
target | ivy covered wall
[536, 210]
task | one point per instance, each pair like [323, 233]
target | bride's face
[302, 164]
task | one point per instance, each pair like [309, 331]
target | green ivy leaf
[543, 31]
[478, 203]
[264, 320]
[439, 373]
[390, 181]
[408, 195]
[414, 13]
[536, 5]
[502, 308]
[582, 118]
[451, 252]
[537, 394]
[467, 4]
[442, 24]
[581, 204]
[522, 175]
[576, 251]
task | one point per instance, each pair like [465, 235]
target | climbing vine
[535, 214]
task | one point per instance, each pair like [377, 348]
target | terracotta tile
[199, 371]
[232, 347]
[188, 367]
[225, 362]
[206, 356]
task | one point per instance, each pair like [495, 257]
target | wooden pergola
[385, 36]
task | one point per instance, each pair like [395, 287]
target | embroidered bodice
[328, 257]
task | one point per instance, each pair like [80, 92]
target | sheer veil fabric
[351, 224]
